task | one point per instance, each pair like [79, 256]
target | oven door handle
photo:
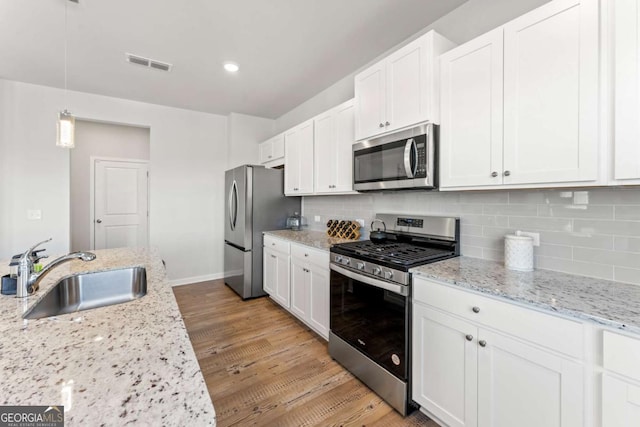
[397, 289]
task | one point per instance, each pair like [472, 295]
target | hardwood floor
[263, 367]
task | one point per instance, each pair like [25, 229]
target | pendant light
[65, 135]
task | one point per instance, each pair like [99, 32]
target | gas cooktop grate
[397, 253]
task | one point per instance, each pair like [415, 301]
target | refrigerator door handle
[233, 205]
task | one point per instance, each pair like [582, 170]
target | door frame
[92, 200]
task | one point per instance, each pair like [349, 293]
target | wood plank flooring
[264, 367]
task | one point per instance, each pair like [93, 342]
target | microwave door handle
[409, 147]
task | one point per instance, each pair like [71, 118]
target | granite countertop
[313, 238]
[605, 302]
[126, 363]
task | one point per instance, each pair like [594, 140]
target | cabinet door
[471, 113]
[345, 137]
[291, 162]
[299, 288]
[266, 152]
[520, 385]
[620, 402]
[270, 271]
[282, 282]
[319, 300]
[325, 146]
[406, 76]
[444, 374]
[277, 146]
[551, 94]
[370, 101]
[626, 15]
[305, 156]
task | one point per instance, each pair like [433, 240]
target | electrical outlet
[34, 214]
[536, 237]
[361, 222]
[316, 218]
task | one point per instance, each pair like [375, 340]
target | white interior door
[121, 204]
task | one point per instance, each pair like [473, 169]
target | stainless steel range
[370, 301]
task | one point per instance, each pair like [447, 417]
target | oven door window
[373, 320]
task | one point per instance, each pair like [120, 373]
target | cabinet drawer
[315, 256]
[562, 335]
[621, 354]
[276, 244]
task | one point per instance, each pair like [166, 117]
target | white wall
[101, 140]
[464, 23]
[188, 160]
[245, 133]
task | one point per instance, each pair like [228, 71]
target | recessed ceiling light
[231, 67]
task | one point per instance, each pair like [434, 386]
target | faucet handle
[29, 253]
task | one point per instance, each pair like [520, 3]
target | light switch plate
[316, 218]
[361, 222]
[34, 214]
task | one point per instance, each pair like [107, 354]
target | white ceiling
[288, 50]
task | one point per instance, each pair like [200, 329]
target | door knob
[99, 221]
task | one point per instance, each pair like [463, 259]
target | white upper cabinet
[333, 142]
[400, 90]
[298, 171]
[551, 87]
[520, 104]
[471, 115]
[626, 150]
[272, 151]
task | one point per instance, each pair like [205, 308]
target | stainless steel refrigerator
[255, 202]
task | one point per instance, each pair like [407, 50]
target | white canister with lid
[518, 252]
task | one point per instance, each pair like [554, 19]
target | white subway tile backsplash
[592, 232]
[576, 211]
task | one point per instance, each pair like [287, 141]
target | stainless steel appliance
[255, 202]
[370, 300]
[402, 160]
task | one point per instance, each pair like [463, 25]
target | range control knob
[360, 265]
[388, 274]
[338, 258]
[346, 261]
[377, 271]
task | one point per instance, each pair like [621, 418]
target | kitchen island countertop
[604, 302]
[128, 363]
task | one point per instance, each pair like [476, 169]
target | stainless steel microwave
[402, 160]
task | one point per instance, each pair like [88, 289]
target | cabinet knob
[306, 254]
[469, 337]
[387, 123]
[507, 173]
[273, 256]
[99, 221]
[482, 343]
[381, 125]
[476, 309]
[269, 156]
[494, 174]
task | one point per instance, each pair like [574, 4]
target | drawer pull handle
[476, 309]
[469, 337]
[482, 343]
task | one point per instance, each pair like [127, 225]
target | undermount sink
[91, 290]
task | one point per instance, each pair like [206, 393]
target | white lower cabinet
[310, 287]
[466, 372]
[297, 277]
[275, 264]
[621, 380]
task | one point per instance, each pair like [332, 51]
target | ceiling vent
[148, 62]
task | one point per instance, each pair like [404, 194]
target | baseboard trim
[196, 279]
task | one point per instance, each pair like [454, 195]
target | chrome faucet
[28, 279]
